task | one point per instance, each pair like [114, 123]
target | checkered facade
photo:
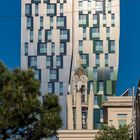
[52, 30]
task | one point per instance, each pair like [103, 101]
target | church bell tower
[80, 102]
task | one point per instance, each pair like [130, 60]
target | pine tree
[22, 114]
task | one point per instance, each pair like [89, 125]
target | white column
[90, 109]
[78, 111]
[69, 112]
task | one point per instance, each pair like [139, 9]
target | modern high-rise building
[54, 33]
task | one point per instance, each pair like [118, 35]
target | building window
[95, 32]
[112, 42]
[61, 22]
[97, 60]
[80, 4]
[99, 6]
[50, 88]
[95, 100]
[106, 60]
[51, 9]
[99, 46]
[80, 46]
[108, 32]
[111, 73]
[42, 48]
[111, 45]
[61, 88]
[101, 86]
[95, 19]
[109, 6]
[49, 61]
[113, 16]
[95, 73]
[101, 115]
[48, 35]
[122, 115]
[36, 9]
[41, 22]
[39, 35]
[53, 48]
[84, 32]
[26, 49]
[89, 4]
[59, 61]
[36, 1]
[28, 9]
[74, 118]
[32, 61]
[83, 19]
[46, 1]
[113, 19]
[63, 34]
[85, 60]
[37, 74]
[51, 21]
[31, 35]
[104, 19]
[29, 22]
[62, 48]
[61, 8]
[53, 74]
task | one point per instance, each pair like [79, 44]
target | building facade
[53, 35]
[118, 111]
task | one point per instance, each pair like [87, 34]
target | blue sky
[129, 64]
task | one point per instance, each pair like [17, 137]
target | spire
[79, 60]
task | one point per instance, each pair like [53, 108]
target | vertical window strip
[61, 8]
[28, 9]
[61, 88]
[80, 46]
[26, 49]
[31, 35]
[41, 22]
[36, 9]
[53, 74]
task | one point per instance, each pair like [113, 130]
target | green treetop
[22, 114]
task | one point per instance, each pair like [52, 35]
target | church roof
[80, 71]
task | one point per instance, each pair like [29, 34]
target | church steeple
[79, 102]
[77, 61]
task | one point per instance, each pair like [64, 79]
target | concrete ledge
[77, 134]
[120, 104]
